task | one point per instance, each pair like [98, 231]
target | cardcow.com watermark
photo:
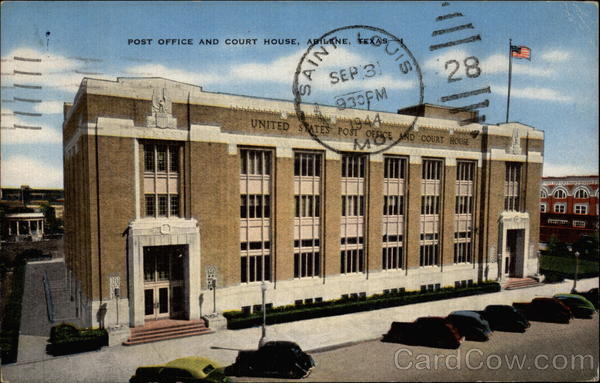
[476, 359]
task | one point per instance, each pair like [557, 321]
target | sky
[556, 91]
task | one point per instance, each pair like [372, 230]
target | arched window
[543, 193]
[582, 193]
[560, 193]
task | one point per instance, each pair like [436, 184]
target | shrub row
[66, 338]
[282, 314]
[11, 323]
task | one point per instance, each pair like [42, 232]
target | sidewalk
[118, 363]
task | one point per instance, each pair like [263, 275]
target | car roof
[574, 297]
[281, 343]
[193, 364]
[466, 313]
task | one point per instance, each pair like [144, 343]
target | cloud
[560, 170]
[57, 72]
[23, 170]
[49, 107]
[46, 135]
[556, 55]
[182, 75]
[533, 93]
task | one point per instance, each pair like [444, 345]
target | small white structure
[24, 226]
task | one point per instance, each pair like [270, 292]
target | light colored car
[188, 369]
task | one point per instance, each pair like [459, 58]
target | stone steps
[164, 330]
[520, 283]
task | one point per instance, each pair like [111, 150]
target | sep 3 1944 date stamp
[375, 73]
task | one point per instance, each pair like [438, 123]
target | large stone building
[168, 186]
[569, 208]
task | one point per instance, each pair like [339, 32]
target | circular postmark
[358, 74]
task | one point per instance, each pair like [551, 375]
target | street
[546, 352]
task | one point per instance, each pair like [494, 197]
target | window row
[307, 205]
[393, 205]
[252, 267]
[255, 206]
[430, 204]
[255, 162]
[394, 168]
[430, 236]
[314, 242]
[351, 240]
[464, 204]
[392, 258]
[352, 261]
[392, 238]
[429, 255]
[463, 252]
[353, 166]
[561, 194]
[162, 205]
[307, 264]
[307, 164]
[160, 157]
[353, 205]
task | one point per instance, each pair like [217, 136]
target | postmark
[375, 73]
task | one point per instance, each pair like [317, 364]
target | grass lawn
[566, 266]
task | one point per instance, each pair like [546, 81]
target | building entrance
[514, 250]
[163, 282]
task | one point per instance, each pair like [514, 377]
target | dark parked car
[425, 331]
[545, 310]
[579, 305]
[280, 358]
[505, 318]
[471, 325]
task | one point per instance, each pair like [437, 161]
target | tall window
[512, 186]
[161, 180]
[307, 197]
[353, 170]
[463, 218]
[431, 187]
[394, 184]
[255, 214]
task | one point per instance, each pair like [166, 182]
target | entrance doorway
[163, 282]
[514, 250]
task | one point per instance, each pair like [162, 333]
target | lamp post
[263, 289]
[576, 272]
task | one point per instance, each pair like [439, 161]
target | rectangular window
[394, 168]
[161, 158]
[429, 255]
[430, 204]
[255, 162]
[307, 164]
[353, 166]
[149, 158]
[465, 170]
[393, 205]
[464, 204]
[462, 252]
[307, 264]
[162, 205]
[392, 258]
[432, 170]
[560, 208]
[581, 209]
[352, 261]
[251, 268]
[542, 208]
[512, 186]
[173, 159]
[174, 205]
[580, 224]
[150, 205]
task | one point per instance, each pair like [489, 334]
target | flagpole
[509, 77]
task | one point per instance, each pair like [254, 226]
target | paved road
[546, 352]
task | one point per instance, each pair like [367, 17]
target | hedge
[282, 314]
[66, 338]
[11, 323]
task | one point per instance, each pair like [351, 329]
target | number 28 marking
[471, 64]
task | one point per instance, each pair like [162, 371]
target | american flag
[520, 52]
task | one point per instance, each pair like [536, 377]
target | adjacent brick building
[568, 207]
[168, 186]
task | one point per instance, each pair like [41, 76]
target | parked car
[545, 310]
[579, 305]
[592, 296]
[279, 358]
[425, 331]
[505, 318]
[471, 325]
[188, 369]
